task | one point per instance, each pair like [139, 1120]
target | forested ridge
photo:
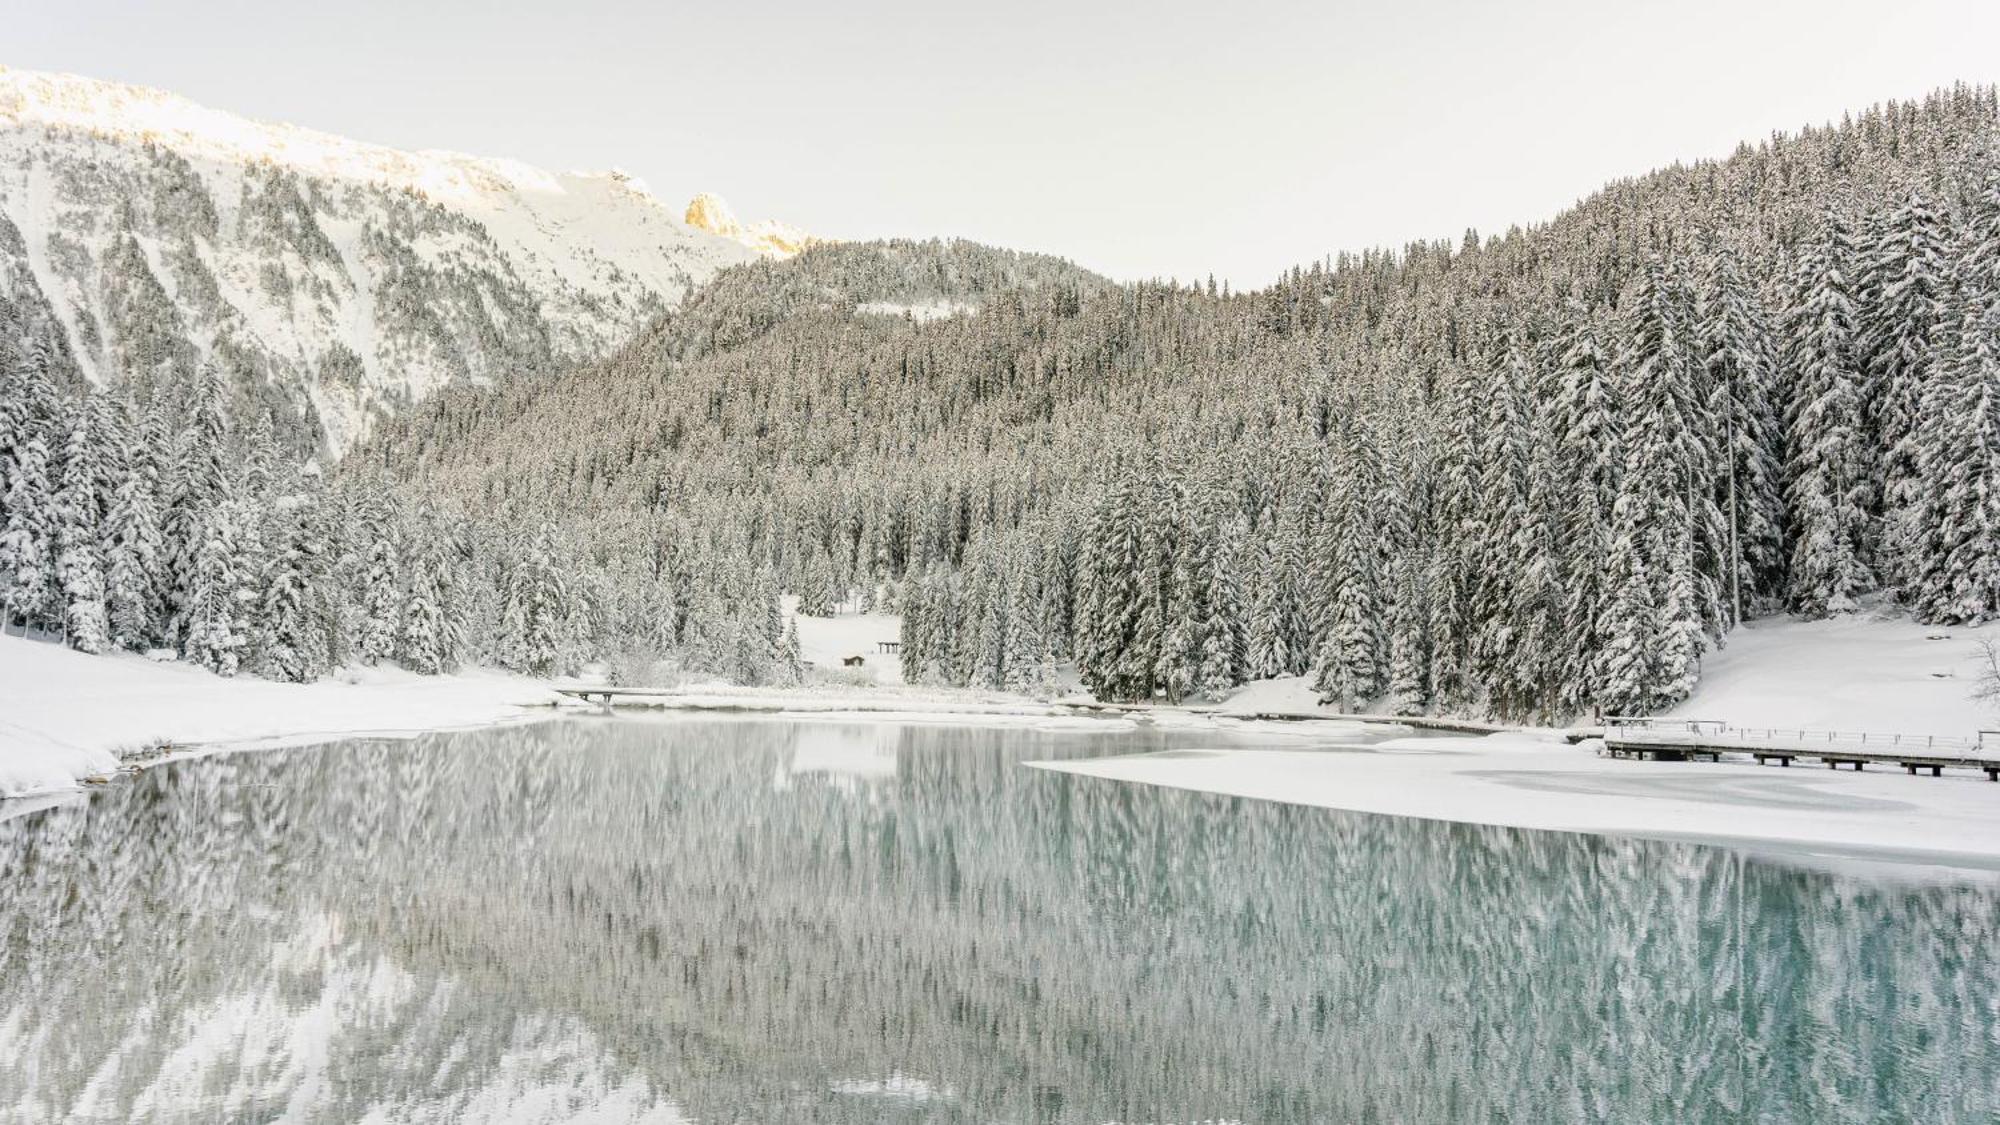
[1532, 475]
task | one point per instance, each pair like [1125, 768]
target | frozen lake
[759, 920]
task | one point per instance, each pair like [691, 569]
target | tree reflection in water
[725, 920]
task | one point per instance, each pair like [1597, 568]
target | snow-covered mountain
[333, 279]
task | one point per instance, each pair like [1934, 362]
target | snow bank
[921, 704]
[1542, 782]
[1874, 672]
[1868, 673]
[1286, 695]
[65, 716]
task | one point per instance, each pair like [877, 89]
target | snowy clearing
[1865, 673]
[825, 642]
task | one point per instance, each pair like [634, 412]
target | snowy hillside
[149, 232]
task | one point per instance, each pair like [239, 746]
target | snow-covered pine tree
[1458, 523]
[1530, 684]
[1291, 577]
[1734, 341]
[198, 483]
[1409, 640]
[382, 587]
[1585, 414]
[295, 612]
[1030, 669]
[1112, 656]
[1268, 635]
[1956, 442]
[134, 546]
[1500, 508]
[1828, 474]
[1665, 493]
[533, 616]
[1222, 644]
[818, 592]
[1630, 628]
[214, 626]
[1186, 611]
[79, 530]
[1902, 330]
[788, 667]
[1350, 667]
[28, 535]
[430, 639]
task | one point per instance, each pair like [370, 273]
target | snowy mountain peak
[770, 238]
[332, 279]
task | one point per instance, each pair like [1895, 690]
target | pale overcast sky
[1141, 139]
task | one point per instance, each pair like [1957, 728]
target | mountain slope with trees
[1531, 475]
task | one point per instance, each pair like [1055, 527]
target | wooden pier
[1680, 740]
[603, 694]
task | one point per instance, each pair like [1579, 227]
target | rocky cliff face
[336, 281]
[770, 238]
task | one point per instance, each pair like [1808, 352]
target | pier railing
[1709, 735]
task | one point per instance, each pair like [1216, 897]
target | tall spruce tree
[1828, 485]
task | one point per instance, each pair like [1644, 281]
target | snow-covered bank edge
[66, 718]
[857, 700]
[1541, 782]
[57, 791]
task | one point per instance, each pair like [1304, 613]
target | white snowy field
[1861, 673]
[65, 716]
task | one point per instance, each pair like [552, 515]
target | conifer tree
[1585, 414]
[295, 617]
[382, 587]
[534, 614]
[214, 628]
[1222, 642]
[198, 484]
[134, 545]
[430, 639]
[1956, 442]
[1349, 669]
[1902, 331]
[79, 525]
[1828, 473]
[1664, 487]
[27, 537]
[1734, 339]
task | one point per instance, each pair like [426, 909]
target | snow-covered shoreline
[1543, 782]
[1865, 672]
[65, 716]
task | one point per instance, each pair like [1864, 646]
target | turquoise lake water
[755, 920]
